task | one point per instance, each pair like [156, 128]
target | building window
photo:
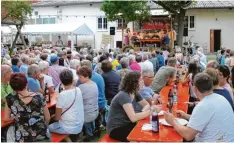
[45, 20]
[121, 23]
[39, 21]
[102, 23]
[189, 22]
[36, 13]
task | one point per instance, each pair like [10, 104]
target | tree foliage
[127, 10]
[15, 11]
[177, 8]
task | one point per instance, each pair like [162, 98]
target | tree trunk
[21, 36]
[16, 37]
[122, 37]
[181, 26]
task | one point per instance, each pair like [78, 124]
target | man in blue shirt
[165, 39]
[24, 66]
[160, 58]
[15, 64]
[35, 79]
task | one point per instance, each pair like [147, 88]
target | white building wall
[205, 20]
[80, 14]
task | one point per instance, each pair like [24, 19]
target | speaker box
[185, 32]
[112, 30]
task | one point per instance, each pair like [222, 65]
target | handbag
[71, 104]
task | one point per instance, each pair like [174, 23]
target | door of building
[215, 40]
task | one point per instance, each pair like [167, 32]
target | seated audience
[146, 91]
[35, 79]
[15, 64]
[69, 112]
[224, 74]
[111, 79]
[124, 64]
[208, 122]
[48, 82]
[122, 116]
[55, 70]
[29, 111]
[89, 92]
[6, 89]
[218, 89]
[165, 76]
[25, 63]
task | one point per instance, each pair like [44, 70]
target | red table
[166, 134]
[49, 105]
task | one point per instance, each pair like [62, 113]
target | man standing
[6, 72]
[209, 122]
[59, 42]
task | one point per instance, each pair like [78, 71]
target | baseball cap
[54, 58]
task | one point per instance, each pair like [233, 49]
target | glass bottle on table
[153, 109]
[170, 101]
[155, 122]
[47, 94]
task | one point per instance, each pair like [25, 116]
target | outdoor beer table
[49, 105]
[166, 134]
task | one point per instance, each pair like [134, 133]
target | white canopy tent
[68, 29]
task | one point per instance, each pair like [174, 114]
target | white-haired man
[35, 79]
[74, 65]
[48, 82]
[24, 67]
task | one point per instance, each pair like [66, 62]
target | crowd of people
[115, 90]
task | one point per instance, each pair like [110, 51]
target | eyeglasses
[149, 76]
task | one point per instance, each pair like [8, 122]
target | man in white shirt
[146, 64]
[212, 119]
[44, 66]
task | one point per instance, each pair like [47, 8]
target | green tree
[126, 10]
[177, 8]
[15, 13]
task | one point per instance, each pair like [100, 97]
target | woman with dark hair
[193, 69]
[69, 112]
[122, 116]
[111, 79]
[224, 74]
[89, 92]
[15, 64]
[31, 114]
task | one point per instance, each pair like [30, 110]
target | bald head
[5, 69]
[6, 72]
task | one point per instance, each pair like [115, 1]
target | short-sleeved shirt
[73, 119]
[160, 79]
[33, 84]
[146, 92]
[90, 100]
[5, 90]
[225, 94]
[213, 118]
[117, 116]
[229, 89]
[29, 120]
[24, 69]
[48, 80]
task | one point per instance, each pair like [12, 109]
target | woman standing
[127, 37]
[122, 116]
[31, 114]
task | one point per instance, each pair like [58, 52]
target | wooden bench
[58, 137]
[106, 138]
